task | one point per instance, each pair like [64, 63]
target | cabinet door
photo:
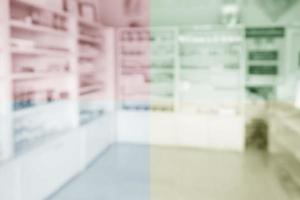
[45, 170]
[192, 130]
[162, 129]
[226, 132]
[98, 136]
[9, 181]
[133, 127]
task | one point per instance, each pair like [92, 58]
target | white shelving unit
[37, 54]
[284, 139]
[211, 89]
[266, 53]
[133, 88]
[146, 82]
[57, 94]
[164, 80]
[96, 83]
[196, 87]
[289, 72]
[283, 116]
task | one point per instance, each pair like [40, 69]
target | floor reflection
[129, 172]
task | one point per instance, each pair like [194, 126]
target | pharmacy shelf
[23, 147]
[142, 47]
[287, 155]
[38, 52]
[90, 39]
[92, 24]
[175, 91]
[96, 95]
[284, 126]
[265, 64]
[146, 59]
[91, 88]
[37, 28]
[28, 76]
[43, 49]
[22, 28]
[206, 65]
[38, 108]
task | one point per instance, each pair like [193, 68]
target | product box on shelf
[87, 11]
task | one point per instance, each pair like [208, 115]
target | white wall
[190, 12]
[163, 12]
[184, 12]
[112, 13]
[255, 15]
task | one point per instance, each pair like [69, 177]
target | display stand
[211, 88]
[57, 94]
[146, 82]
[196, 86]
[284, 132]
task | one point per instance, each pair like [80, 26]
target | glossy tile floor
[128, 172]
